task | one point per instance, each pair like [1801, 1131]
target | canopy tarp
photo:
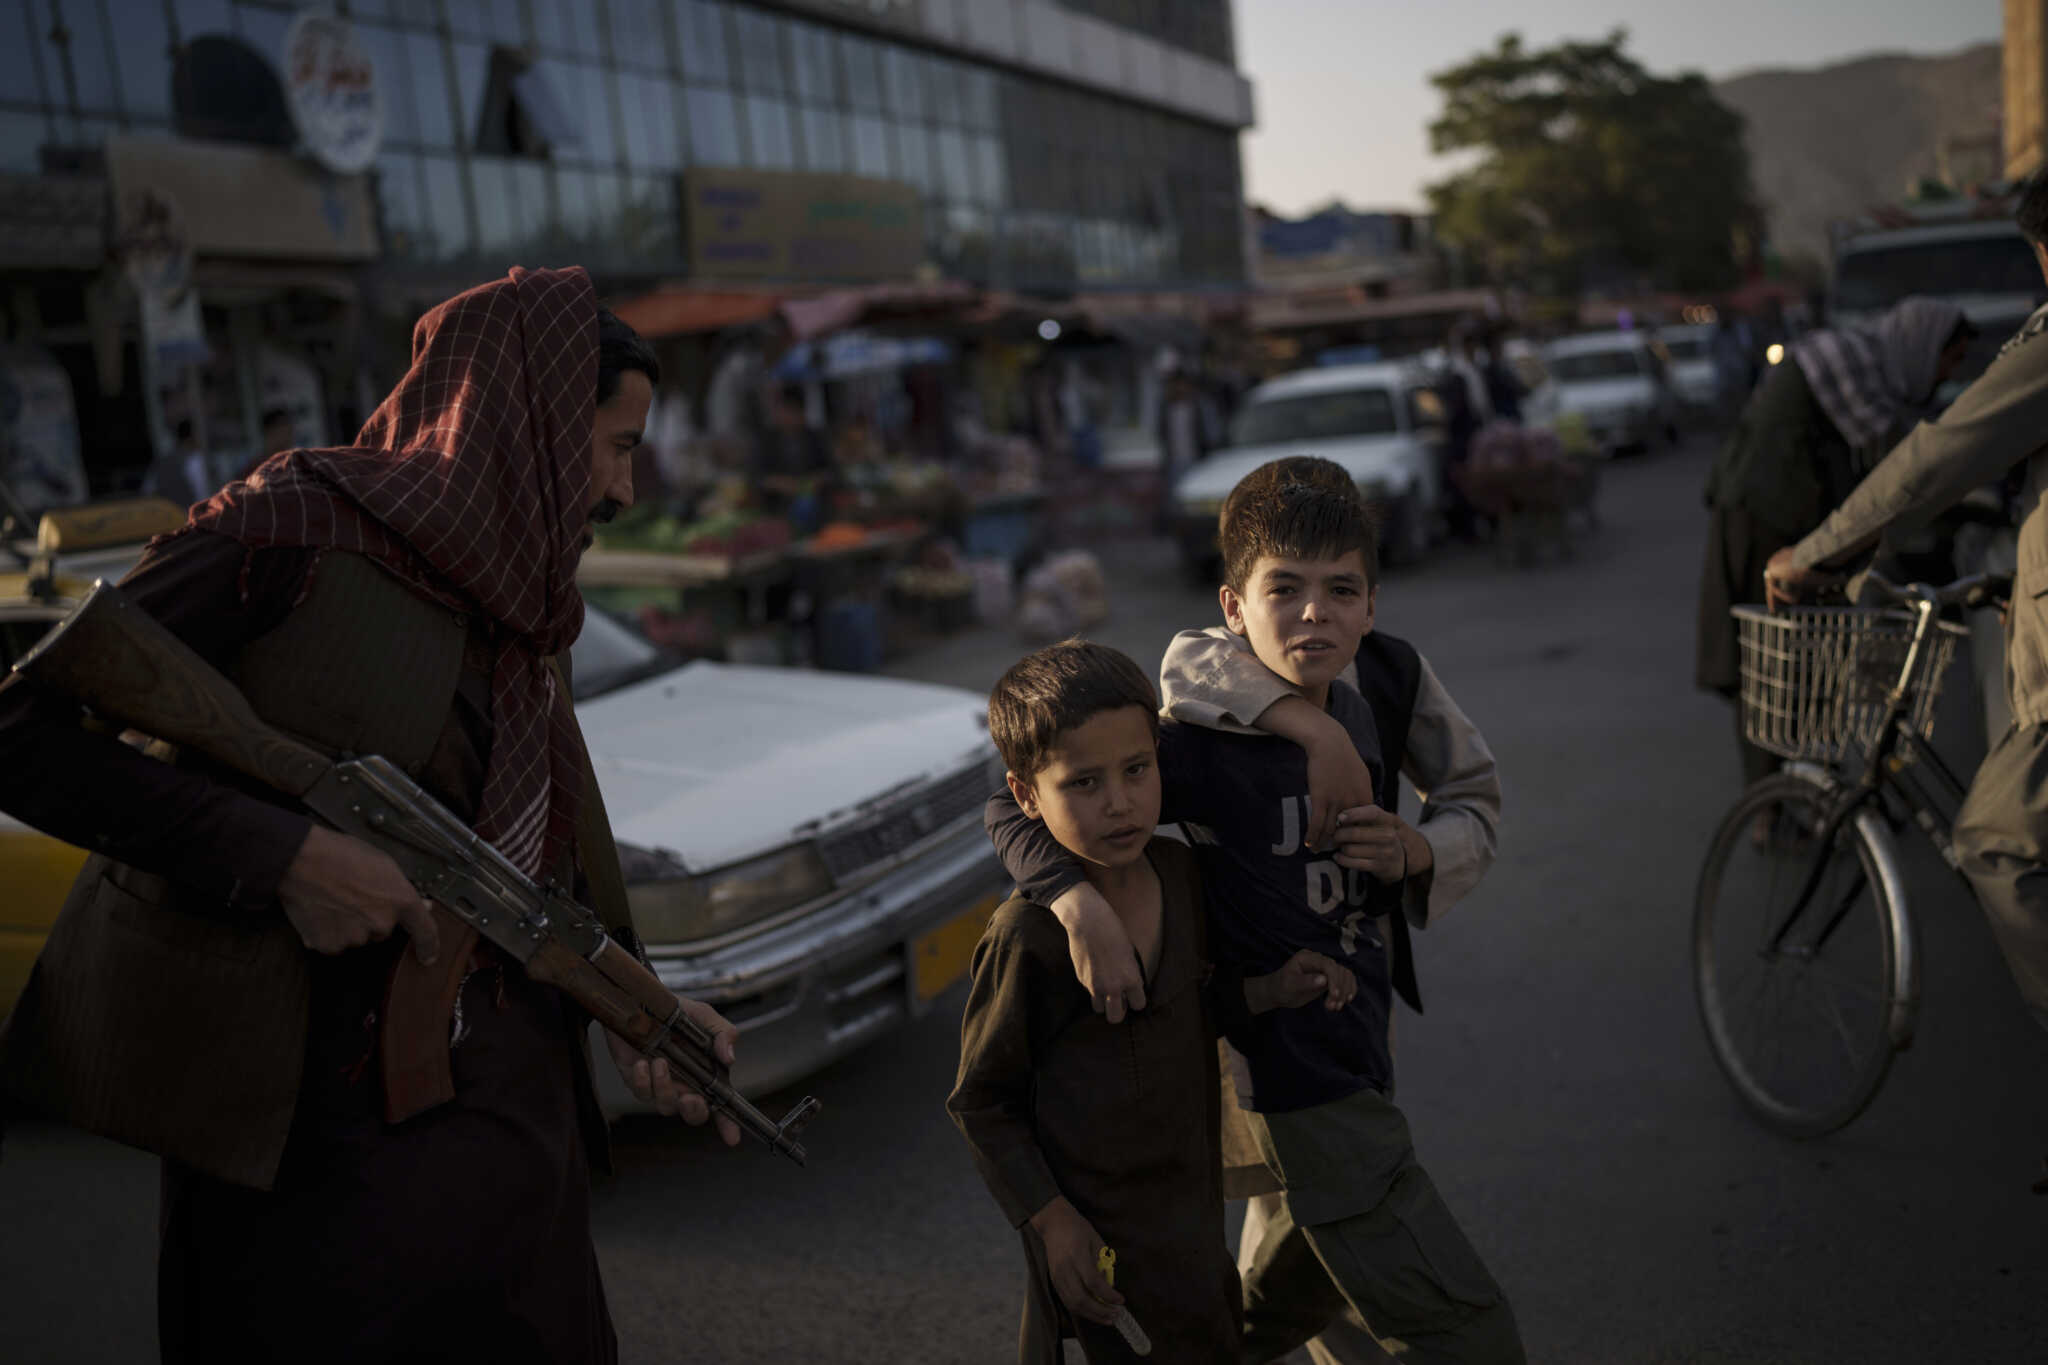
[677, 312]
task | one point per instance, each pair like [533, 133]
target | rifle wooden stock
[122, 662]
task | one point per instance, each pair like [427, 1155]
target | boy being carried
[1360, 1224]
[1083, 1130]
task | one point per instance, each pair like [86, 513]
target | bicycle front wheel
[1797, 1006]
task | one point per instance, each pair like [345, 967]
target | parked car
[1380, 421]
[803, 850]
[1615, 382]
[1689, 358]
[43, 576]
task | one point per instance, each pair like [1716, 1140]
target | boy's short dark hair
[1060, 688]
[1299, 508]
[1312, 470]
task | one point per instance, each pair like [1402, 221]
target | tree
[1589, 169]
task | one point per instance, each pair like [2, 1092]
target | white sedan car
[1690, 354]
[1376, 420]
[803, 850]
[1615, 383]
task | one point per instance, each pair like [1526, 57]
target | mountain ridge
[1829, 142]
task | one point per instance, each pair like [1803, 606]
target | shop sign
[249, 202]
[331, 86]
[156, 252]
[51, 222]
[793, 226]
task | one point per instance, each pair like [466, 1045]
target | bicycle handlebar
[1976, 590]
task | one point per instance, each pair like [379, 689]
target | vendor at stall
[790, 460]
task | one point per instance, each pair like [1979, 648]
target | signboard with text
[797, 226]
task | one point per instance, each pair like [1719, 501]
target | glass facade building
[549, 130]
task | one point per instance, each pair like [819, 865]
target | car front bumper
[1617, 431]
[808, 992]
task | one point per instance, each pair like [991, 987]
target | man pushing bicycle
[2001, 834]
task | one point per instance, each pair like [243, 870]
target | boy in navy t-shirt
[1361, 1223]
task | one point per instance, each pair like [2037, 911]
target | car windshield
[1686, 348]
[607, 656]
[1315, 417]
[1585, 365]
[1867, 281]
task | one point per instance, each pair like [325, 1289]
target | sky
[1343, 94]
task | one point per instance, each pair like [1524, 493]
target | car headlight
[673, 906]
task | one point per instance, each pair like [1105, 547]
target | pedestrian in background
[182, 476]
[1733, 352]
[1462, 390]
[1183, 436]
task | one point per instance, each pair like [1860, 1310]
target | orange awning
[675, 312]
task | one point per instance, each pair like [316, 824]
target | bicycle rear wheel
[1799, 1025]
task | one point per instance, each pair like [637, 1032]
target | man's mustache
[605, 511]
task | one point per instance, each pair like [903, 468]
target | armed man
[375, 1126]
[2001, 421]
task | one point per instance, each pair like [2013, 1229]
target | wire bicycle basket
[1816, 680]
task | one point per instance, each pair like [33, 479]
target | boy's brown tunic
[1119, 1118]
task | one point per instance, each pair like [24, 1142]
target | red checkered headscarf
[472, 483]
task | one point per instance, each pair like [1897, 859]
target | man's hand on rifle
[340, 893]
[652, 1081]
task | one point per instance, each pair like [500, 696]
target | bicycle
[1809, 984]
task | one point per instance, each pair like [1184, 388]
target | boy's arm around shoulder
[1042, 869]
[1455, 775]
[1212, 679]
[999, 1037]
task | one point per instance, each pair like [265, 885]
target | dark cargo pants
[1363, 1227]
[2001, 841]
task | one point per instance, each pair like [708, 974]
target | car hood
[1363, 457]
[1594, 394]
[717, 762]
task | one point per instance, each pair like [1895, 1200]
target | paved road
[1558, 1086]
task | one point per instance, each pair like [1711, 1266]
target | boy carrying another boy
[1360, 1223]
[1091, 1134]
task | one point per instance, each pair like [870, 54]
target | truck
[1967, 251]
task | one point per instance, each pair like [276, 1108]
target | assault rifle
[124, 664]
